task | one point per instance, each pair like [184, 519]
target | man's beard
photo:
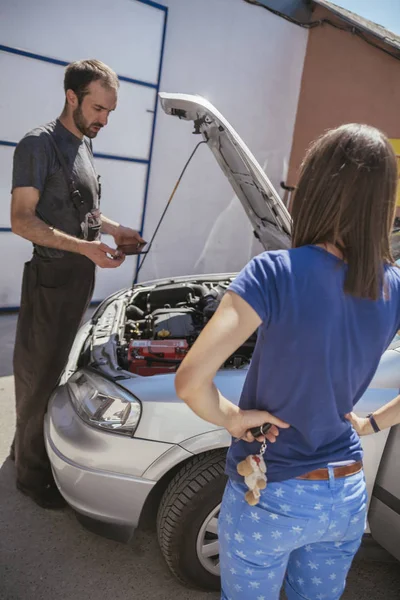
[82, 125]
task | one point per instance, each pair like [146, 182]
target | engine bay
[163, 322]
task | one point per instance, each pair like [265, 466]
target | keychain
[254, 469]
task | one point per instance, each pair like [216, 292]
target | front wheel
[187, 521]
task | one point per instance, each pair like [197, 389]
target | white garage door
[37, 40]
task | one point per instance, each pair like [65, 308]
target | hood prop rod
[140, 263]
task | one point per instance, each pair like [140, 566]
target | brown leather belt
[323, 474]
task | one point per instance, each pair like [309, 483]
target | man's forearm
[108, 226]
[36, 231]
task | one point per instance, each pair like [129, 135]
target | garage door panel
[129, 130]
[17, 251]
[123, 184]
[33, 36]
[125, 34]
[130, 126]
[34, 97]
[6, 157]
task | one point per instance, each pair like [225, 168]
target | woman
[325, 311]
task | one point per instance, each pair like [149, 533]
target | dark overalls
[56, 293]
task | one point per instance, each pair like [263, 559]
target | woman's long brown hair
[346, 196]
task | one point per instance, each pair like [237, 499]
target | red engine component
[153, 357]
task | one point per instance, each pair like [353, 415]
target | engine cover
[152, 357]
[173, 323]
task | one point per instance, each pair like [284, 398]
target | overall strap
[75, 194]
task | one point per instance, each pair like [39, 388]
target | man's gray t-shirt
[36, 165]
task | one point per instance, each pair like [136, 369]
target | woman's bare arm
[233, 323]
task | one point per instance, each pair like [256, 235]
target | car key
[258, 431]
[263, 430]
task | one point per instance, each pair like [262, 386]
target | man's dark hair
[79, 74]
[346, 196]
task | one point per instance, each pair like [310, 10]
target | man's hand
[98, 251]
[128, 240]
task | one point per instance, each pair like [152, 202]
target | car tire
[190, 507]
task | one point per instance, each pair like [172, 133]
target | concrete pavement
[46, 555]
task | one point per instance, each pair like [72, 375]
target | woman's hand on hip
[362, 425]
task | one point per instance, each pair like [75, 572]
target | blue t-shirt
[317, 350]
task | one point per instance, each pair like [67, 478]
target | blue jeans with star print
[303, 533]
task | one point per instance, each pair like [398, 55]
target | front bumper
[100, 474]
[100, 495]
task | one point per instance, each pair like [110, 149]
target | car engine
[162, 324]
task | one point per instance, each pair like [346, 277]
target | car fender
[212, 440]
[166, 462]
[198, 444]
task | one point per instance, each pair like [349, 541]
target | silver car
[125, 449]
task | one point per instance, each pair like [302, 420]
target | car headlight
[101, 403]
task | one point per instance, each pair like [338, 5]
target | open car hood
[268, 215]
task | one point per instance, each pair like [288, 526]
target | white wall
[248, 63]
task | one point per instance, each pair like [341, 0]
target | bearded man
[56, 205]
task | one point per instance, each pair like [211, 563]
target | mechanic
[308, 371]
[56, 205]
